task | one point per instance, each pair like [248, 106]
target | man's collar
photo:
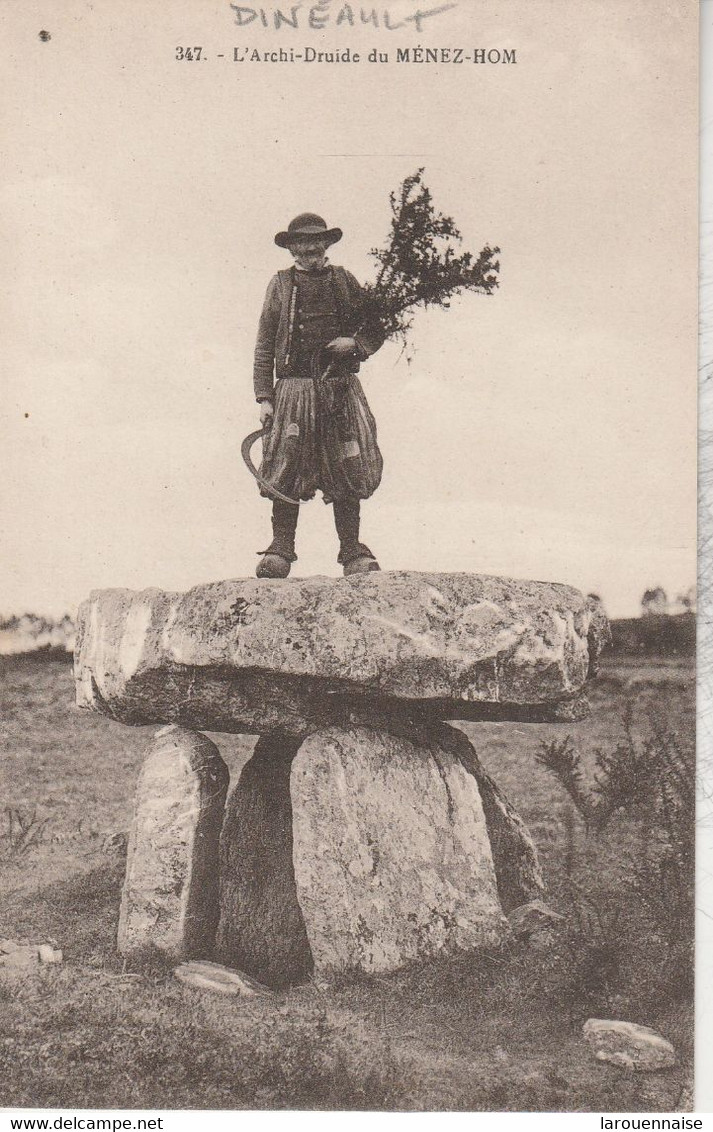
[304, 269]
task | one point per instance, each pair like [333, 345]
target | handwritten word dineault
[334, 13]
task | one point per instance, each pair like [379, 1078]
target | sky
[547, 431]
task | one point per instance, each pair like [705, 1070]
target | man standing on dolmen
[318, 431]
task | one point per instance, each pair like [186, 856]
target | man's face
[309, 252]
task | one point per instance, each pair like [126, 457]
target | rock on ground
[49, 954]
[203, 975]
[261, 928]
[391, 852]
[628, 1045]
[19, 958]
[262, 656]
[170, 895]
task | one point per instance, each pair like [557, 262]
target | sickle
[245, 452]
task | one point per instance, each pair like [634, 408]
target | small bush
[23, 829]
[636, 939]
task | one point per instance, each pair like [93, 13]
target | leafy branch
[420, 265]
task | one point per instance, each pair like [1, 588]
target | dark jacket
[273, 345]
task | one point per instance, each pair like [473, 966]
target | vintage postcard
[349, 595]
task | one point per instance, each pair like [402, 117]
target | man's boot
[280, 554]
[354, 556]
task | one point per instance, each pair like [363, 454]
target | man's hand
[267, 412]
[342, 347]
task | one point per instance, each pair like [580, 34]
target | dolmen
[363, 833]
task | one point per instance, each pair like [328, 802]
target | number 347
[190, 54]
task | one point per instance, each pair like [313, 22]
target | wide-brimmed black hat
[307, 224]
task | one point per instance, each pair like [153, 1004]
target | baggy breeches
[312, 448]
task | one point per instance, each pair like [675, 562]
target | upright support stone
[391, 852]
[517, 866]
[261, 929]
[170, 895]
[366, 848]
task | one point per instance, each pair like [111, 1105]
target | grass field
[496, 1031]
